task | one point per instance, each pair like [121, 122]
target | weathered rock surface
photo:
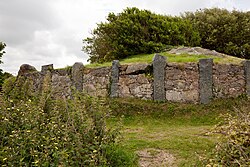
[114, 79]
[159, 64]
[206, 80]
[181, 82]
[25, 69]
[77, 76]
[195, 51]
[228, 80]
[96, 82]
[136, 68]
[61, 86]
[177, 82]
[247, 76]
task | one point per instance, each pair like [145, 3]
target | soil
[155, 158]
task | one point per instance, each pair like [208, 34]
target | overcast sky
[40, 32]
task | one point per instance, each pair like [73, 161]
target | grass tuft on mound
[173, 58]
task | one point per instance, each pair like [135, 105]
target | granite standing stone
[26, 68]
[247, 76]
[114, 78]
[159, 64]
[206, 80]
[77, 75]
[46, 68]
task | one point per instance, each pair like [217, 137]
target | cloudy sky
[40, 32]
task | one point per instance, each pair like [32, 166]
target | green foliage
[118, 156]
[47, 132]
[18, 88]
[2, 46]
[222, 30]
[137, 31]
[234, 150]
[2, 75]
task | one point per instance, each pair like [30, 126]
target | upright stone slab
[77, 75]
[247, 76]
[26, 68]
[46, 68]
[206, 80]
[159, 64]
[114, 78]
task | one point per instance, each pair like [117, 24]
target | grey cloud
[20, 18]
[40, 32]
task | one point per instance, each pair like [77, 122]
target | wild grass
[182, 58]
[179, 129]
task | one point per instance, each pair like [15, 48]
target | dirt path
[155, 158]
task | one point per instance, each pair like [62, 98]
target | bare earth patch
[155, 158]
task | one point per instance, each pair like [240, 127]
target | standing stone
[159, 64]
[46, 68]
[247, 76]
[114, 78]
[26, 68]
[77, 75]
[206, 80]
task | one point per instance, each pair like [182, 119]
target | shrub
[135, 31]
[222, 30]
[234, 149]
[47, 132]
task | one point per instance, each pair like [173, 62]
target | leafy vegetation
[3, 76]
[41, 131]
[135, 31]
[234, 149]
[2, 46]
[222, 30]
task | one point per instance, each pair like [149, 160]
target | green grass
[182, 58]
[179, 129]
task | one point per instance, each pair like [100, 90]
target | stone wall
[96, 81]
[182, 82]
[176, 82]
[228, 80]
[135, 81]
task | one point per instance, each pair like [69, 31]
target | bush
[135, 31]
[47, 132]
[234, 149]
[222, 30]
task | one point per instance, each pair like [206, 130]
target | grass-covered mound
[174, 58]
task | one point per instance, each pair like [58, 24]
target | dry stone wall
[228, 80]
[186, 82]
[96, 82]
[135, 81]
[182, 82]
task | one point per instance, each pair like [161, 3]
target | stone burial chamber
[160, 80]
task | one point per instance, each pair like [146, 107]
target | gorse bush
[47, 132]
[234, 149]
